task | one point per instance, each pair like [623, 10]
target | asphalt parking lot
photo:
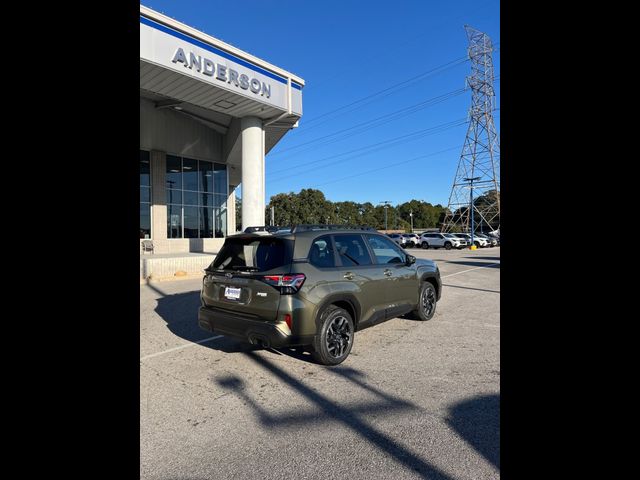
[413, 400]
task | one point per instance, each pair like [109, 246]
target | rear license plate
[232, 293]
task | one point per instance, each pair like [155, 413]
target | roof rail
[308, 227]
[255, 229]
[267, 229]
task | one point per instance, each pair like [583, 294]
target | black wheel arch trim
[342, 297]
[436, 277]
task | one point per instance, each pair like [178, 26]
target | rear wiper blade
[245, 268]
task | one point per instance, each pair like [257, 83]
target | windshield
[252, 254]
[450, 235]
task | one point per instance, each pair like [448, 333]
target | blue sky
[345, 51]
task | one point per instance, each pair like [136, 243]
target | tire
[332, 344]
[426, 302]
[477, 244]
[425, 245]
[447, 245]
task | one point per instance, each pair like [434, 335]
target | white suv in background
[479, 241]
[492, 242]
[413, 239]
[441, 240]
[398, 238]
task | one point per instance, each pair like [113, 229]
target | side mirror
[410, 260]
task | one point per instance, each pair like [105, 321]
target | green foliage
[238, 213]
[311, 206]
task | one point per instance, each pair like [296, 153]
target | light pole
[411, 215]
[386, 205]
[471, 180]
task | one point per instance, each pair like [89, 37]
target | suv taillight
[287, 284]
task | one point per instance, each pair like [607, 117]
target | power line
[385, 119]
[381, 146]
[387, 166]
[395, 44]
[391, 164]
[403, 84]
[379, 120]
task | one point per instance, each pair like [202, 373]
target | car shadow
[471, 264]
[477, 421]
[352, 417]
[484, 258]
[180, 312]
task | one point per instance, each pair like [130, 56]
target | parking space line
[465, 271]
[180, 347]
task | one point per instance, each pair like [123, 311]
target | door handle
[388, 272]
[349, 276]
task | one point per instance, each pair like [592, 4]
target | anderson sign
[175, 50]
[221, 72]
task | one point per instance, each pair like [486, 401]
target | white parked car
[490, 240]
[441, 240]
[479, 241]
[398, 238]
[413, 239]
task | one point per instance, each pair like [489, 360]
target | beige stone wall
[173, 268]
[186, 245]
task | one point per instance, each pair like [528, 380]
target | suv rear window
[252, 254]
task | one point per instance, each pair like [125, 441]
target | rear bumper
[252, 331]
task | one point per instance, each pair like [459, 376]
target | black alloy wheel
[334, 341]
[427, 306]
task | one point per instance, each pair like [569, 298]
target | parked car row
[444, 240]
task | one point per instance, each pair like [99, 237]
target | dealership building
[209, 113]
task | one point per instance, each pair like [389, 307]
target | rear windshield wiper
[246, 268]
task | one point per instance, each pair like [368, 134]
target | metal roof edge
[170, 22]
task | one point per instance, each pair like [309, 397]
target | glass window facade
[145, 194]
[197, 194]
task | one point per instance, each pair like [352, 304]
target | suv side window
[321, 253]
[385, 251]
[352, 250]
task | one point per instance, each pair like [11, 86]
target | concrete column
[158, 196]
[231, 210]
[252, 172]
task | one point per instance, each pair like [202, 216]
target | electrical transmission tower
[478, 173]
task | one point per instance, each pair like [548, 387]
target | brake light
[287, 320]
[287, 284]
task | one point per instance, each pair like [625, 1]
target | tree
[238, 213]
[308, 206]
[311, 206]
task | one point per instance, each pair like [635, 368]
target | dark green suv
[313, 286]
